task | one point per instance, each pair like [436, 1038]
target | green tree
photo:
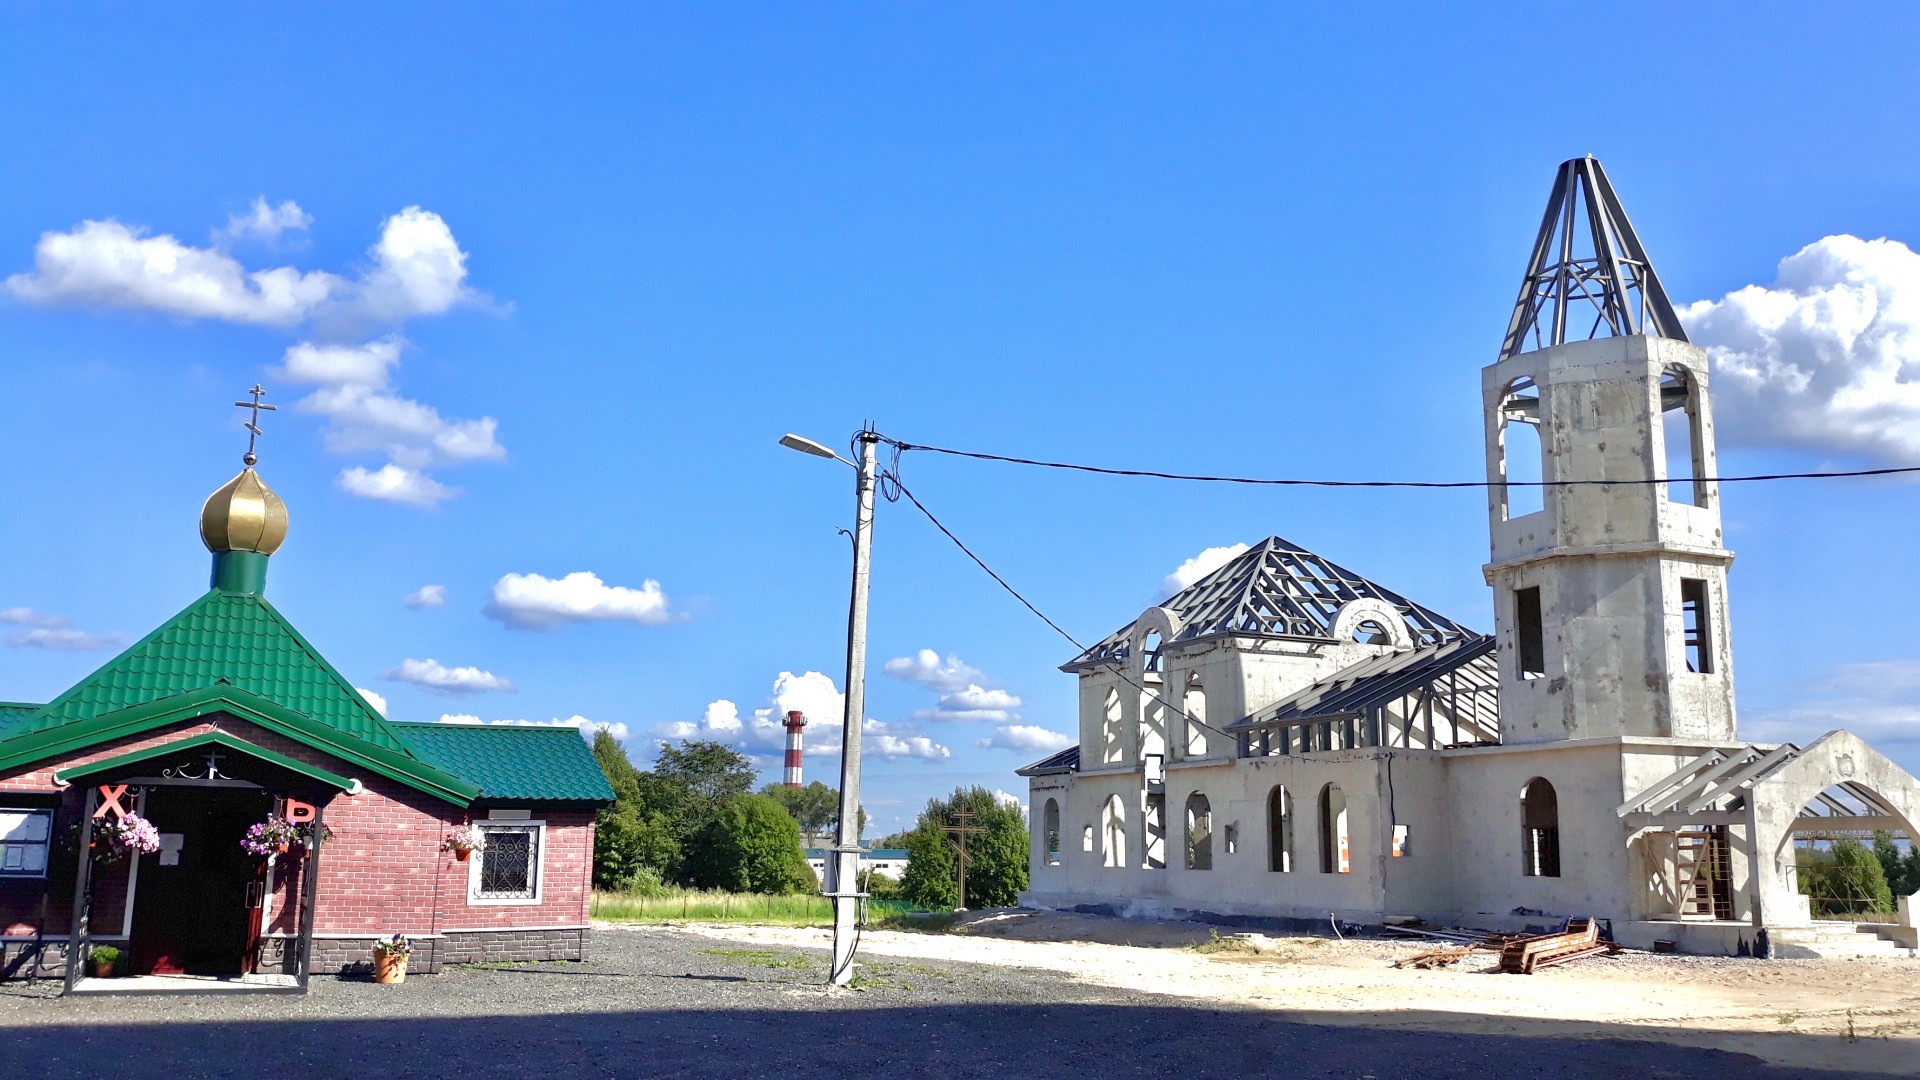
[816, 807]
[1845, 879]
[997, 863]
[689, 782]
[751, 844]
[625, 843]
[1902, 868]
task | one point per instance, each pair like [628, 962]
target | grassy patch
[919, 922]
[713, 906]
[766, 958]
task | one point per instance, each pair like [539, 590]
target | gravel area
[662, 1002]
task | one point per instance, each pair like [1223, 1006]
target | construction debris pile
[1520, 954]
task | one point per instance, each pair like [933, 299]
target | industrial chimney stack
[795, 722]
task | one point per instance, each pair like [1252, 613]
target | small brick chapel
[224, 718]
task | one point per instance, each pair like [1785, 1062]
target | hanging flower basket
[390, 959]
[273, 836]
[131, 835]
[463, 842]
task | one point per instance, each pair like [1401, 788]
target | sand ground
[1859, 1015]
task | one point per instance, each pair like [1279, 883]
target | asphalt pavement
[655, 1003]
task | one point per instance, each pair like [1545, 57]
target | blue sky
[554, 285]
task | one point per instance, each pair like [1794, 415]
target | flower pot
[281, 848]
[462, 854]
[388, 968]
[102, 970]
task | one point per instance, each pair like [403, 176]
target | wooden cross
[963, 829]
[253, 422]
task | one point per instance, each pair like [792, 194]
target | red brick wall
[382, 873]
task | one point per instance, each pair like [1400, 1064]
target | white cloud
[363, 420]
[417, 269]
[585, 726]
[1199, 566]
[432, 675]
[534, 602]
[264, 222]
[1827, 358]
[391, 483]
[378, 701]
[926, 668]
[1879, 700]
[427, 596]
[893, 747]
[107, 264]
[1025, 737]
[760, 734]
[43, 637]
[974, 703]
[369, 364]
[1008, 798]
[26, 616]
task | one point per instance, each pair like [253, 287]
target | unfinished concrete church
[1285, 738]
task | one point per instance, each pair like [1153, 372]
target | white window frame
[46, 813]
[474, 898]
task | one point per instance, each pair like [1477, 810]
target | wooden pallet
[1581, 937]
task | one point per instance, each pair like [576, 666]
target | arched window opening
[1336, 853]
[1279, 831]
[1086, 839]
[1371, 632]
[1680, 428]
[1113, 829]
[1113, 741]
[1050, 826]
[1522, 457]
[1194, 704]
[1153, 847]
[1153, 707]
[1540, 829]
[1199, 832]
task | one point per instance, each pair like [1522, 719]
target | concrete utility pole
[963, 828]
[843, 884]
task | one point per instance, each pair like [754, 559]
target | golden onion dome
[244, 515]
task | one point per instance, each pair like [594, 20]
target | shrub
[105, 954]
[751, 846]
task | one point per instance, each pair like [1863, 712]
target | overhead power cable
[1295, 482]
[892, 479]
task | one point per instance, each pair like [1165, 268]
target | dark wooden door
[193, 916]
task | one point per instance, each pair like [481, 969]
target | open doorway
[192, 913]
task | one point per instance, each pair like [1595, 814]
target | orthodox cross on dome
[1605, 275]
[253, 422]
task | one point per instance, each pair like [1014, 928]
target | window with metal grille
[1696, 624]
[1530, 639]
[509, 863]
[24, 837]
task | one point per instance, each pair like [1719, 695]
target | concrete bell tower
[1610, 581]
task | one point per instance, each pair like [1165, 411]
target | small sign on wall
[170, 845]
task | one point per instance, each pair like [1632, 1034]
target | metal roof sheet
[1065, 761]
[223, 638]
[1276, 589]
[1355, 689]
[513, 762]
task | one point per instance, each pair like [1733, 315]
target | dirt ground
[1859, 1015]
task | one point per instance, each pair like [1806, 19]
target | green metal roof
[513, 762]
[208, 701]
[223, 638]
[15, 713]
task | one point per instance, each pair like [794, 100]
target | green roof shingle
[223, 638]
[512, 762]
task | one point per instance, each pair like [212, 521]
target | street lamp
[843, 870]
